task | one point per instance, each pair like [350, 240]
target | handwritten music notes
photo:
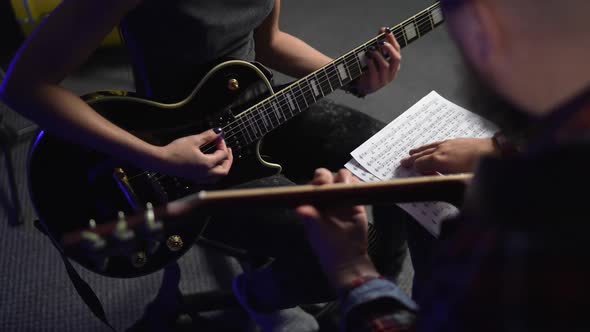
[431, 119]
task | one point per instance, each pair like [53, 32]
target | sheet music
[431, 119]
[355, 168]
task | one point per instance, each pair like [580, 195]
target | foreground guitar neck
[418, 189]
[425, 188]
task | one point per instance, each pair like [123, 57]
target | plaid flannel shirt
[516, 259]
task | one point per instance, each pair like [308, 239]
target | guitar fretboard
[255, 122]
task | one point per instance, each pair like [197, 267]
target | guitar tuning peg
[150, 219]
[92, 240]
[151, 230]
[138, 259]
[121, 231]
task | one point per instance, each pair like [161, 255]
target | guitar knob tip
[139, 259]
[174, 242]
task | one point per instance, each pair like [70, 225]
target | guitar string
[238, 126]
[254, 116]
[263, 114]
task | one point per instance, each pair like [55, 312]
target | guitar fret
[416, 26]
[300, 96]
[314, 88]
[266, 119]
[347, 67]
[247, 129]
[290, 101]
[423, 23]
[410, 31]
[325, 82]
[308, 93]
[270, 115]
[277, 109]
[297, 101]
[362, 58]
[316, 84]
[255, 117]
[285, 107]
[399, 35]
[252, 125]
[336, 74]
[437, 16]
[358, 64]
[354, 66]
[342, 72]
[332, 76]
[273, 119]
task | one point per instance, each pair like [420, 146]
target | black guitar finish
[234, 95]
[98, 186]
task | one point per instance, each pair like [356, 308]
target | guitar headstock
[129, 246]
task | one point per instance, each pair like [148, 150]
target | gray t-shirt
[174, 42]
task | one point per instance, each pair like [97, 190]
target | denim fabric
[374, 289]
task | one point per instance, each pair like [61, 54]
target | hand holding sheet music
[431, 119]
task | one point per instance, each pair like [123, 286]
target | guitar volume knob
[233, 84]
[174, 242]
[139, 259]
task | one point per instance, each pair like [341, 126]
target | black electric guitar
[235, 95]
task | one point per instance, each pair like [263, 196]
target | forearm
[64, 114]
[290, 55]
[59, 45]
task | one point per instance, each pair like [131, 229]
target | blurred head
[533, 53]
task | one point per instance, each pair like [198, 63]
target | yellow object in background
[30, 12]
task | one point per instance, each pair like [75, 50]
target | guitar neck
[449, 188]
[272, 112]
[417, 189]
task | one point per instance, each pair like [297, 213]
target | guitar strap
[81, 286]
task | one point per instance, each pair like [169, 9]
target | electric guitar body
[234, 95]
[97, 186]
